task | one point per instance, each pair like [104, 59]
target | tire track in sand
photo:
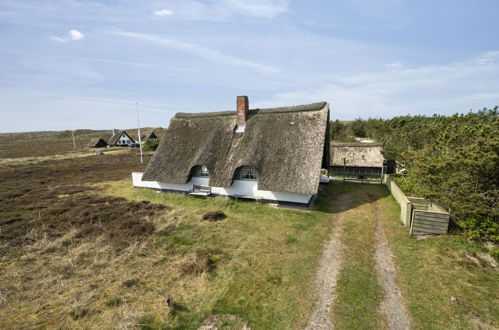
[329, 269]
[392, 306]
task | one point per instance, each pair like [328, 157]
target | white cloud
[163, 12]
[395, 65]
[487, 58]
[257, 8]
[72, 35]
[196, 50]
[59, 39]
[222, 10]
[76, 35]
[444, 89]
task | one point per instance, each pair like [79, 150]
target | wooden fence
[429, 222]
[421, 215]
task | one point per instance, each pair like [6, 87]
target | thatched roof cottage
[97, 143]
[150, 136]
[122, 139]
[357, 159]
[268, 154]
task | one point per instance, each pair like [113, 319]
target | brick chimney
[242, 110]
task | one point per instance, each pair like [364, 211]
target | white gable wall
[124, 140]
[238, 188]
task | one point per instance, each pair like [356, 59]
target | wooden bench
[198, 190]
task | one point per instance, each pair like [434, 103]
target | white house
[122, 139]
[268, 154]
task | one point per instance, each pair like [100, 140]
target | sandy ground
[328, 272]
[392, 306]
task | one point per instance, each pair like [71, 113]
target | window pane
[247, 173]
[201, 171]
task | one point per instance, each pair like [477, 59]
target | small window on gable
[247, 173]
[200, 171]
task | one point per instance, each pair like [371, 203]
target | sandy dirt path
[329, 269]
[392, 306]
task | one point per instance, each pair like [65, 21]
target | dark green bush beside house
[452, 160]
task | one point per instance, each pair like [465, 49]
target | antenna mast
[73, 135]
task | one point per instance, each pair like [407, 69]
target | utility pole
[73, 135]
[138, 132]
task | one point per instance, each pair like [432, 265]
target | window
[200, 171]
[247, 173]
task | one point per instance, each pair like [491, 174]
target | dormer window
[247, 173]
[200, 171]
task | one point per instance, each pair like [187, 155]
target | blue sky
[68, 64]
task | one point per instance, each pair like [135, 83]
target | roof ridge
[356, 144]
[296, 108]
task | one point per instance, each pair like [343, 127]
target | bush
[358, 128]
[452, 160]
[481, 227]
[151, 145]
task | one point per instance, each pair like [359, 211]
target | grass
[263, 259]
[358, 289]
[433, 270]
[42, 144]
[89, 254]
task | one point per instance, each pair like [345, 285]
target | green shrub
[407, 186]
[451, 160]
[481, 227]
[151, 145]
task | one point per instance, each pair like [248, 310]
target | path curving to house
[392, 306]
[329, 269]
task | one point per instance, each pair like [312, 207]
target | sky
[71, 64]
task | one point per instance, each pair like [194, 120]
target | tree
[151, 145]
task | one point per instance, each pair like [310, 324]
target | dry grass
[51, 143]
[68, 155]
[258, 263]
[434, 270]
[64, 249]
[73, 256]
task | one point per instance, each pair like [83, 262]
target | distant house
[358, 159]
[97, 143]
[266, 154]
[122, 139]
[149, 136]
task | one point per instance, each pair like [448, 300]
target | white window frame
[247, 173]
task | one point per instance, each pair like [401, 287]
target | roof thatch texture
[357, 154]
[287, 146]
[97, 143]
[114, 139]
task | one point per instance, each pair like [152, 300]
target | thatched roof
[359, 154]
[97, 143]
[287, 146]
[113, 139]
[156, 132]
